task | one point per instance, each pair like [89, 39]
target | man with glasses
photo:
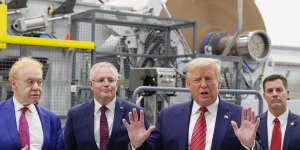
[23, 123]
[97, 123]
[204, 123]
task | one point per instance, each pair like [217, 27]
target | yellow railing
[4, 38]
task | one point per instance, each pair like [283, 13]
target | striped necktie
[199, 133]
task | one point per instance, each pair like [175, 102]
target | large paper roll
[215, 16]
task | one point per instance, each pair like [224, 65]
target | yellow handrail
[4, 38]
[46, 42]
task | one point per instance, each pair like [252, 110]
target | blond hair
[20, 64]
[200, 62]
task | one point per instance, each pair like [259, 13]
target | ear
[188, 82]
[91, 84]
[219, 84]
[117, 83]
[288, 92]
[13, 84]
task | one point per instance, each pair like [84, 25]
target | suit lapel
[263, 130]
[221, 125]
[291, 123]
[89, 121]
[117, 123]
[9, 118]
[184, 122]
[45, 125]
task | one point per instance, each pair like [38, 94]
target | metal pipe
[17, 11]
[254, 92]
[221, 91]
[46, 42]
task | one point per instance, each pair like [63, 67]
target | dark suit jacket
[172, 128]
[9, 140]
[292, 132]
[79, 129]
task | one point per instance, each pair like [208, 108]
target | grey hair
[104, 65]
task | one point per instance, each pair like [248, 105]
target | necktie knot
[24, 129]
[24, 109]
[276, 136]
[199, 133]
[103, 109]
[203, 109]
[104, 131]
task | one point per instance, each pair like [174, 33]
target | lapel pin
[225, 116]
[292, 123]
[121, 108]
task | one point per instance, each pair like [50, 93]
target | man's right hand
[136, 128]
[25, 148]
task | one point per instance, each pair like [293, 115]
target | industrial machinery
[146, 42]
[160, 77]
[231, 28]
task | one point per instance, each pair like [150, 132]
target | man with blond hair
[205, 122]
[23, 123]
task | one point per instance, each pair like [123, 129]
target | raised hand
[136, 128]
[25, 148]
[247, 131]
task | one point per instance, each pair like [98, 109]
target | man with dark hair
[279, 128]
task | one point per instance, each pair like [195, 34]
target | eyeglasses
[102, 81]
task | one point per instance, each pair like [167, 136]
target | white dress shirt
[210, 117]
[109, 115]
[34, 123]
[270, 125]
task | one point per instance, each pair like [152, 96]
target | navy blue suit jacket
[292, 132]
[79, 129]
[9, 140]
[172, 128]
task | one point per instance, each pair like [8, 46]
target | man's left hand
[247, 131]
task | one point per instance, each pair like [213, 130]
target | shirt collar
[19, 106]
[282, 118]
[110, 106]
[212, 108]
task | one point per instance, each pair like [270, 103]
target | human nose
[203, 83]
[36, 85]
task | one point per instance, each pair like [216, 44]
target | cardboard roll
[215, 16]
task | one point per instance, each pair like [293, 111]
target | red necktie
[276, 136]
[24, 129]
[104, 132]
[199, 133]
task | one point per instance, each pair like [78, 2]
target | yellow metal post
[3, 21]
